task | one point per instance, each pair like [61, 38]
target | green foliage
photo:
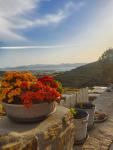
[107, 56]
[60, 88]
[73, 111]
[1, 73]
[106, 61]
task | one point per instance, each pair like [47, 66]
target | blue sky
[54, 31]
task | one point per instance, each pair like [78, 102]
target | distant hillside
[86, 75]
[1, 73]
[96, 73]
[43, 67]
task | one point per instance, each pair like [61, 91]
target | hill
[44, 68]
[97, 73]
[1, 73]
[86, 75]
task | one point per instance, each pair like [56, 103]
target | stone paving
[101, 136]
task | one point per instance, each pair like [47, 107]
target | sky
[54, 31]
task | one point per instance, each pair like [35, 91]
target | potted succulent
[90, 108]
[80, 121]
[26, 98]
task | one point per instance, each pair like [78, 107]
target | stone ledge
[54, 133]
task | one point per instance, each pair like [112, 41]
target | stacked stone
[54, 133]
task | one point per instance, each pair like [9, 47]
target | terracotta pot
[36, 112]
[81, 126]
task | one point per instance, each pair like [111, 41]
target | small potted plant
[26, 98]
[80, 121]
[90, 108]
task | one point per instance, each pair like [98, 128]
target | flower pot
[36, 112]
[81, 122]
[90, 108]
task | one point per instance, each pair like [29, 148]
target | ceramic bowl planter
[27, 98]
[90, 108]
[36, 112]
[80, 121]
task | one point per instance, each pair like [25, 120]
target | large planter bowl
[36, 112]
[81, 127]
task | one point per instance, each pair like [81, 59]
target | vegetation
[107, 56]
[73, 112]
[97, 73]
[106, 61]
[1, 73]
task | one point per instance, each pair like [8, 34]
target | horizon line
[43, 64]
[37, 46]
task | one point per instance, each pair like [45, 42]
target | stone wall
[54, 133]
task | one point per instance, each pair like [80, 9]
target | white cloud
[13, 16]
[39, 46]
[13, 9]
[55, 18]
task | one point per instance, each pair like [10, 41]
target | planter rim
[85, 106]
[21, 105]
[87, 115]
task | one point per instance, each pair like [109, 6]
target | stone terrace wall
[54, 133]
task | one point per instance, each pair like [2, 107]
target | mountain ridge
[57, 67]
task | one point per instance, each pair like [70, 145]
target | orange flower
[1, 98]
[18, 83]
[13, 93]
[8, 76]
[18, 91]
[5, 84]
[5, 91]
[24, 76]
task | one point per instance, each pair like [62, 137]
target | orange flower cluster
[27, 89]
[20, 76]
[11, 84]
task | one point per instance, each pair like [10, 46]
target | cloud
[14, 15]
[38, 47]
[13, 9]
[56, 18]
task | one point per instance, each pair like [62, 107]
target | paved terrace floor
[101, 136]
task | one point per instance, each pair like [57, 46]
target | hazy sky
[54, 31]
